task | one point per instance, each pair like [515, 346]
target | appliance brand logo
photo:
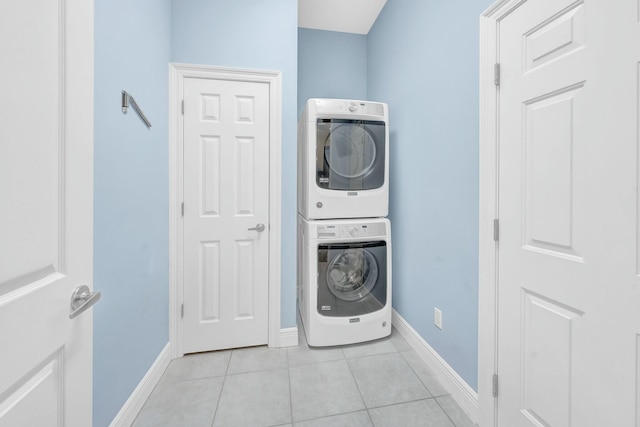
[352, 193]
[325, 307]
[354, 320]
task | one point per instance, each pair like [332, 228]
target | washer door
[350, 154]
[352, 274]
[352, 278]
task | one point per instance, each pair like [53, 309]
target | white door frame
[488, 250]
[177, 74]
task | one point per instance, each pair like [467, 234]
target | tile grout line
[399, 353]
[224, 380]
[366, 409]
[370, 418]
[402, 403]
[290, 390]
[344, 358]
[445, 412]
[418, 376]
[338, 414]
[357, 386]
[262, 369]
[372, 355]
[304, 337]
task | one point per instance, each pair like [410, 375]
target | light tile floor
[376, 384]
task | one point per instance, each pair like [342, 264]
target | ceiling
[347, 16]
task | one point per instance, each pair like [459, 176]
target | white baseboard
[133, 405]
[462, 393]
[288, 337]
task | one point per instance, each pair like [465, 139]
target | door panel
[568, 168]
[46, 180]
[210, 289]
[548, 146]
[29, 164]
[211, 176]
[226, 193]
[245, 179]
[547, 361]
[38, 389]
[561, 34]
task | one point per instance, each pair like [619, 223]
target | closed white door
[226, 214]
[568, 284]
[46, 164]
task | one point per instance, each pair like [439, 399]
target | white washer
[344, 280]
[343, 159]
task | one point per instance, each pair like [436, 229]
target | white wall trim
[462, 392]
[134, 404]
[488, 248]
[177, 74]
[288, 337]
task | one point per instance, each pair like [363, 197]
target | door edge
[488, 209]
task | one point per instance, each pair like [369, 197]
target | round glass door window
[350, 151]
[352, 274]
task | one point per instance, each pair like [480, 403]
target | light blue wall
[423, 61]
[255, 34]
[331, 65]
[132, 48]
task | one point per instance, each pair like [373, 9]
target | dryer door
[352, 278]
[350, 154]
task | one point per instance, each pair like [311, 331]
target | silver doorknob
[81, 299]
[259, 228]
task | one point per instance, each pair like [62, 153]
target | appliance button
[354, 231]
[353, 107]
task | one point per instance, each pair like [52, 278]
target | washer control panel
[351, 230]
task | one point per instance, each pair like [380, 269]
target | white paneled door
[568, 275]
[46, 179]
[226, 214]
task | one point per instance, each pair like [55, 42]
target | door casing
[177, 74]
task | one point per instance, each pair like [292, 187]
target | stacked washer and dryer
[344, 239]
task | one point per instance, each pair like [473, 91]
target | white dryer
[343, 159]
[344, 280]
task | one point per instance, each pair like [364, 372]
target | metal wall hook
[126, 98]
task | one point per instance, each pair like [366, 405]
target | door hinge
[496, 229]
[494, 391]
[496, 74]
[182, 311]
[182, 209]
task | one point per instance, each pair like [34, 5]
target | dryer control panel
[323, 107]
[351, 230]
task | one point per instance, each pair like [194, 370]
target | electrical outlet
[437, 317]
